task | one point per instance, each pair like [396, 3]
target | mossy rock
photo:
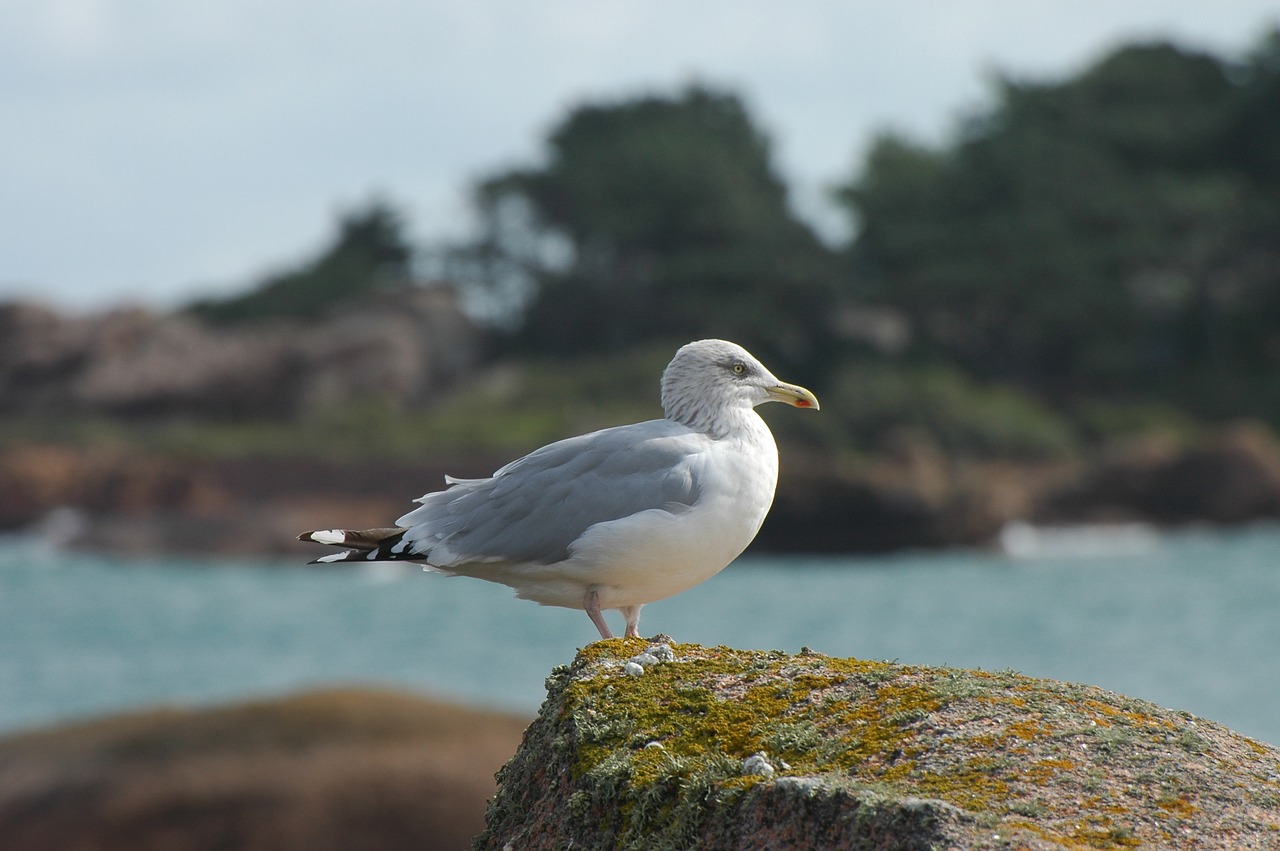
[724, 748]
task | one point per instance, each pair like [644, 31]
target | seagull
[616, 518]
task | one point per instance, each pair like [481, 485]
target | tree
[1092, 235]
[369, 252]
[656, 218]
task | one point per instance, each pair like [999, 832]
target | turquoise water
[1191, 621]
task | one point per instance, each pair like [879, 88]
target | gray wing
[534, 508]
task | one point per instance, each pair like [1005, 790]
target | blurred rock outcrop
[335, 770]
[1231, 477]
[142, 372]
[133, 503]
[397, 347]
[916, 499]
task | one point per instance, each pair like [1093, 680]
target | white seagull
[616, 518]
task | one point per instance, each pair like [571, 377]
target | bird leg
[591, 602]
[632, 614]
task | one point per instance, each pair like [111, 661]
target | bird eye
[739, 367]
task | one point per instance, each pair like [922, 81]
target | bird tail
[386, 544]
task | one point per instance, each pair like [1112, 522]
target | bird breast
[658, 553]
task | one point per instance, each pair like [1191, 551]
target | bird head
[711, 376]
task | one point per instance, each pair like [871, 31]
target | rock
[867, 755]
[335, 770]
[36, 479]
[135, 503]
[395, 348]
[891, 506]
[135, 362]
[1231, 477]
[758, 763]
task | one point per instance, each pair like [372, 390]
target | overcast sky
[153, 150]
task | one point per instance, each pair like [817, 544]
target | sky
[152, 152]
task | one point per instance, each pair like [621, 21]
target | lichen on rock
[866, 755]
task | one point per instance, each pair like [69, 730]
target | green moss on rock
[866, 755]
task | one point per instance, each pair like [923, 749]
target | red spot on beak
[803, 403]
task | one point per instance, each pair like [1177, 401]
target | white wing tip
[328, 536]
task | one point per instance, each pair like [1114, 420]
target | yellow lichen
[673, 741]
[1043, 770]
[1027, 730]
[1177, 805]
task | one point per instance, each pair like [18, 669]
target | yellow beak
[794, 395]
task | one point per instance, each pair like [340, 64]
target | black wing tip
[370, 545]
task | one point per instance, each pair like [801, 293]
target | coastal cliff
[657, 745]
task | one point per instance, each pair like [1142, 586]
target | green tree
[369, 252]
[1099, 234]
[656, 218]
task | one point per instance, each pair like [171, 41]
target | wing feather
[533, 509]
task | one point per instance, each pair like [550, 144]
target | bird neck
[718, 421]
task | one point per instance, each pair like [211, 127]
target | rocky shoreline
[402, 349]
[133, 503]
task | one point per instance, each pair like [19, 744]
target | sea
[1188, 620]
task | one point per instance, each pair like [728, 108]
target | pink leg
[591, 602]
[632, 614]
